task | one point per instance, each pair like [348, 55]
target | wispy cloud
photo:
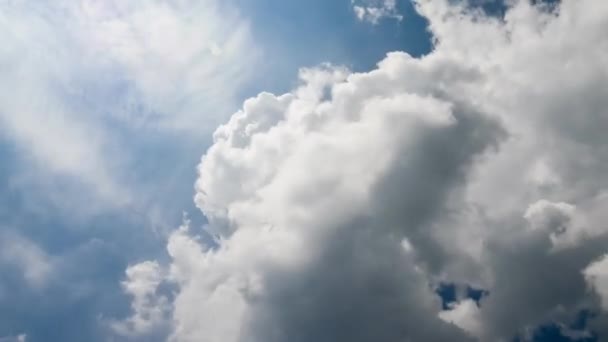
[81, 79]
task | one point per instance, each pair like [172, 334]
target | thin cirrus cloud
[81, 77]
[341, 206]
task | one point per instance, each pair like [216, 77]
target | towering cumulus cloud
[340, 208]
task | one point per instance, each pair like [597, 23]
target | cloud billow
[340, 207]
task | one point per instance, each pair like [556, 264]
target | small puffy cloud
[487, 156]
[150, 308]
[558, 219]
[555, 217]
[596, 275]
[373, 11]
[464, 314]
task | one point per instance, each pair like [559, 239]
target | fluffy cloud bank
[340, 207]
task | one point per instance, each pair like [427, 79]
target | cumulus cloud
[149, 307]
[464, 314]
[339, 207]
[597, 276]
[373, 11]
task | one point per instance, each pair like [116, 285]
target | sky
[303, 171]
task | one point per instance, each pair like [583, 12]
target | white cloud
[33, 112]
[464, 314]
[80, 77]
[373, 11]
[150, 309]
[597, 276]
[482, 155]
[186, 59]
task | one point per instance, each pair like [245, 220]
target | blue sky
[107, 108]
[306, 34]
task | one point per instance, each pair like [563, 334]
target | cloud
[597, 276]
[464, 314]
[149, 308]
[182, 58]
[33, 263]
[103, 108]
[340, 206]
[84, 79]
[18, 338]
[373, 11]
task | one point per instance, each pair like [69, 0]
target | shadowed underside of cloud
[340, 207]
